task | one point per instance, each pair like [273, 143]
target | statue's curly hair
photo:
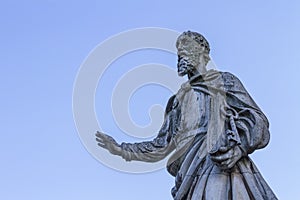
[200, 39]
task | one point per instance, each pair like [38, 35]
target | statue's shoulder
[228, 76]
[230, 79]
[216, 74]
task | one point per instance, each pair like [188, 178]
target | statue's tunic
[209, 111]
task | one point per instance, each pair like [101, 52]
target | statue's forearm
[151, 151]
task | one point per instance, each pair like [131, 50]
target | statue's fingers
[222, 166]
[218, 159]
[99, 134]
[224, 149]
[229, 163]
[102, 136]
[102, 145]
[221, 158]
[226, 162]
[100, 140]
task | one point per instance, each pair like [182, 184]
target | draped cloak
[209, 111]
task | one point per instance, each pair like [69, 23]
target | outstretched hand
[227, 157]
[107, 142]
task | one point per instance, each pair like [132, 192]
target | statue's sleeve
[253, 129]
[251, 123]
[159, 147]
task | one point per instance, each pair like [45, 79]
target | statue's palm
[107, 142]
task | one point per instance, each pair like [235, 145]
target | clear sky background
[43, 44]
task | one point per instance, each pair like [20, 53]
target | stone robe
[208, 112]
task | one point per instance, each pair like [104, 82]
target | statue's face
[188, 51]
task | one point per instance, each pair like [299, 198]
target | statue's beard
[184, 66]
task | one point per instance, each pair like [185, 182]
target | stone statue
[210, 127]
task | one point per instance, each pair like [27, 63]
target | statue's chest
[194, 110]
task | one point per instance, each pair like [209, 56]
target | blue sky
[43, 44]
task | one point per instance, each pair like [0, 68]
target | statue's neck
[198, 71]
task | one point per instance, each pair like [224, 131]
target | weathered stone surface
[210, 127]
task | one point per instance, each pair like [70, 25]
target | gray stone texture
[210, 127]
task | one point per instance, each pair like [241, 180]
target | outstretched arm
[149, 151]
